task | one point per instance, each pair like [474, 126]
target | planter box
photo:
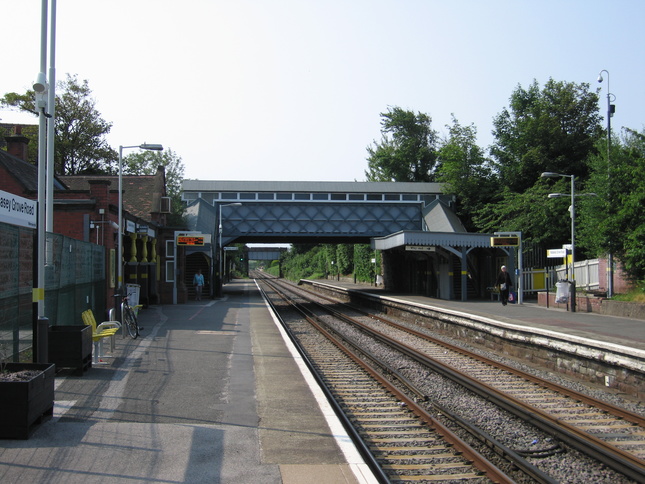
[70, 347]
[26, 404]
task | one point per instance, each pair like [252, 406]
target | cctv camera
[41, 83]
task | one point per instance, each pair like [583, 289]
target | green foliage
[553, 129]
[147, 162]
[407, 151]
[364, 268]
[615, 221]
[466, 173]
[81, 147]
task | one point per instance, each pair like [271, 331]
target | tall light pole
[611, 109]
[144, 146]
[220, 253]
[572, 209]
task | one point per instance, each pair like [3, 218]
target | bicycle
[130, 318]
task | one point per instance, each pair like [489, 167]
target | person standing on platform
[198, 281]
[504, 282]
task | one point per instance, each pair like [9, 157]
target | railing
[586, 276]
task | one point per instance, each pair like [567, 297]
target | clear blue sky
[292, 89]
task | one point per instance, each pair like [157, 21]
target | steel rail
[480, 462]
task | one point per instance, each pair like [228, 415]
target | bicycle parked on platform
[129, 316]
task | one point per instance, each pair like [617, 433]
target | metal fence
[586, 276]
[75, 280]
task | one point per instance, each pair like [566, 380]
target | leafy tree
[146, 163]
[614, 221]
[466, 172]
[407, 151]
[79, 130]
[553, 129]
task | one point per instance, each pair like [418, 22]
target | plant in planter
[26, 397]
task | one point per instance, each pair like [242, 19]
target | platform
[211, 393]
[617, 330]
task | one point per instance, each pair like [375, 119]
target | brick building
[86, 208]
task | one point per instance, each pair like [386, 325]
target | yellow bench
[107, 329]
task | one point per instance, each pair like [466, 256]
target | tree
[553, 129]
[614, 221]
[407, 151]
[146, 163]
[466, 172]
[79, 130]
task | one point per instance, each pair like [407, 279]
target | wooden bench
[107, 329]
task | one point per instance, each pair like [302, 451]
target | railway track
[606, 433]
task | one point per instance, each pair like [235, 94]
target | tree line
[552, 128]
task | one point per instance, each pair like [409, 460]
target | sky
[293, 90]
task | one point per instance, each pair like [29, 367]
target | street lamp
[611, 109]
[144, 146]
[221, 249]
[572, 209]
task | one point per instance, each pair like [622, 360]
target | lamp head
[550, 174]
[151, 147]
[600, 79]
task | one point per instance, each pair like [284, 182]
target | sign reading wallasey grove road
[17, 210]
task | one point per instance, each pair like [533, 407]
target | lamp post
[611, 109]
[220, 254]
[572, 209]
[144, 146]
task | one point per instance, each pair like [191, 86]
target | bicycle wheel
[130, 321]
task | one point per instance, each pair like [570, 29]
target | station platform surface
[211, 393]
[621, 331]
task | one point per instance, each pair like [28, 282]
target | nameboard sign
[16, 210]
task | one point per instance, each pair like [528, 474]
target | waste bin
[562, 292]
[133, 291]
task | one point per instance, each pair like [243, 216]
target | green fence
[75, 280]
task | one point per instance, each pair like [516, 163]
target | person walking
[504, 282]
[198, 281]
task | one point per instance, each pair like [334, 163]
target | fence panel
[74, 280]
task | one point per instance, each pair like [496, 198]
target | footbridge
[269, 212]
[300, 212]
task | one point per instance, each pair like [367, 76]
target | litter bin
[133, 291]
[562, 292]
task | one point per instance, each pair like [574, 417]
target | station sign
[504, 241]
[16, 210]
[230, 248]
[556, 253]
[191, 240]
[420, 248]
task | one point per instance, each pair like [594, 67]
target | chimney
[17, 144]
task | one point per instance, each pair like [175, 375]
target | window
[229, 196]
[266, 196]
[284, 196]
[321, 196]
[392, 197]
[373, 197]
[302, 196]
[247, 196]
[338, 196]
[356, 196]
[170, 271]
[170, 249]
